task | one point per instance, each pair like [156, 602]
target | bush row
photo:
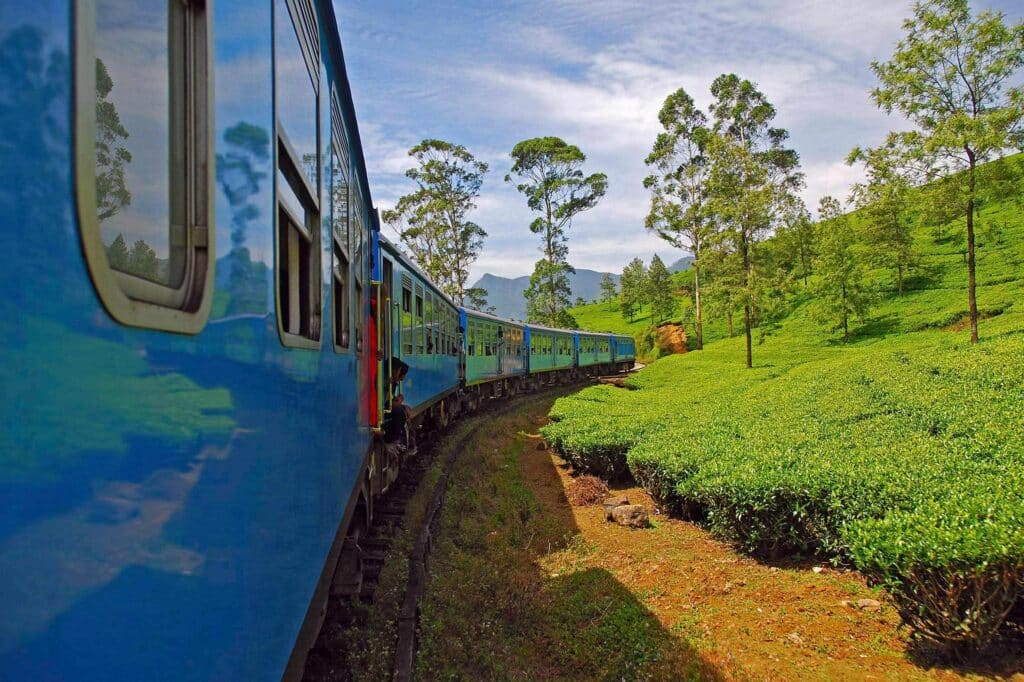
[904, 457]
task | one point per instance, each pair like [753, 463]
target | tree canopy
[433, 221]
[548, 172]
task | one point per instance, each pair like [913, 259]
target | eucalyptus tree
[679, 186]
[659, 290]
[842, 289]
[633, 288]
[953, 77]
[796, 238]
[549, 173]
[433, 221]
[752, 180]
[885, 200]
[608, 288]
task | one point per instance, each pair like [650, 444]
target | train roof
[550, 329]
[347, 104]
[489, 316]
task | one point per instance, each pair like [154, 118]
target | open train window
[429, 322]
[419, 321]
[297, 103]
[406, 315]
[144, 155]
[341, 289]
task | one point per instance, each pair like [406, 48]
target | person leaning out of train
[396, 433]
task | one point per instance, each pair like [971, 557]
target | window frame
[132, 300]
[288, 164]
[340, 243]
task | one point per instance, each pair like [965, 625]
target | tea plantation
[900, 453]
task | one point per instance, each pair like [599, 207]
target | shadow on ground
[511, 595]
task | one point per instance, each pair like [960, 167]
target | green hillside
[901, 452]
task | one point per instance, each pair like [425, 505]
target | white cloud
[595, 72]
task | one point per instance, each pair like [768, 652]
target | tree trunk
[846, 317]
[746, 324]
[971, 298]
[731, 331]
[899, 276]
[746, 296]
[696, 296]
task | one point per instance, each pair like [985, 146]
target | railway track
[346, 614]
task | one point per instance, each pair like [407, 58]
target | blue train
[199, 318]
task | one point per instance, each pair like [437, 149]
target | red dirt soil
[747, 619]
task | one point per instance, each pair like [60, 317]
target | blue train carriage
[552, 355]
[623, 352]
[187, 385]
[420, 326]
[495, 356]
[594, 351]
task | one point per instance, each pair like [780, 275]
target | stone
[869, 604]
[795, 638]
[631, 515]
[818, 569]
[611, 504]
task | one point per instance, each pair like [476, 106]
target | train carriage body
[494, 348]
[623, 351]
[421, 328]
[188, 349]
[594, 349]
[550, 349]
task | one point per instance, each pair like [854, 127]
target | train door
[501, 350]
[386, 329]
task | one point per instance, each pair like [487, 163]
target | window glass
[342, 318]
[297, 87]
[140, 197]
[418, 330]
[406, 320]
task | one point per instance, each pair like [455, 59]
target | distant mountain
[684, 263]
[506, 294]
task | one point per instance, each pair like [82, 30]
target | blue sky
[595, 72]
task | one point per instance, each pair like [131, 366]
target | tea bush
[901, 453]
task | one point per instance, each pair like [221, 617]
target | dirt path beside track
[524, 586]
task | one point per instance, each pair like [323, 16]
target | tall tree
[241, 168]
[679, 186]
[951, 76]
[117, 253]
[433, 221]
[843, 291]
[142, 261]
[608, 288]
[633, 287]
[659, 290]
[796, 238]
[752, 180]
[885, 200]
[112, 192]
[549, 173]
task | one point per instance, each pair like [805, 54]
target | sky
[595, 73]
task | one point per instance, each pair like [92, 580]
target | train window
[341, 288]
[143, 159]
[406, 315]
[429, 318]
[471, 339]
[419, 321]
[297, 89]
[489, 345]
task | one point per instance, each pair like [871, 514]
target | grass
[513, 593]
[899, 452]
